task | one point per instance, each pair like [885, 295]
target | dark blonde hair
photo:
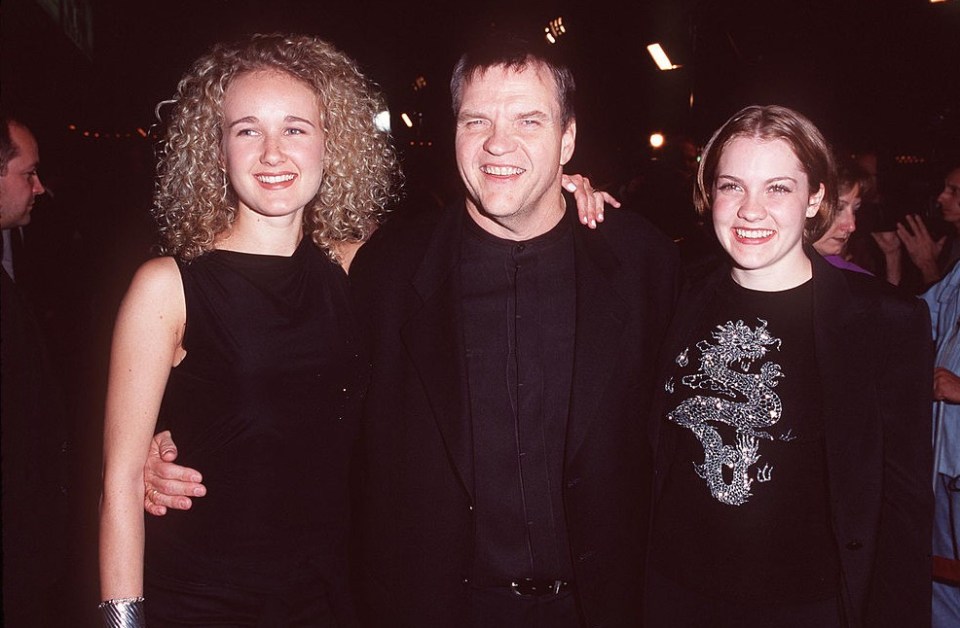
[194, 204]
[772, 122]
[851, 174]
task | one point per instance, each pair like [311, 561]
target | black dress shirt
[518, 303]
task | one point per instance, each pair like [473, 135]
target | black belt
[535, 587]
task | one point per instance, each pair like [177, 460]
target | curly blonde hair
[194, 203]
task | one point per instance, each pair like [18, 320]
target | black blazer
[416, 518]
[874, 351]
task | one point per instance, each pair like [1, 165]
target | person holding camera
[932, 256]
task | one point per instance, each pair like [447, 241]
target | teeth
[274, 178]
[502, 171]
[754, 233]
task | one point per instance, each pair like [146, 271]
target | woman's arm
[146, 344]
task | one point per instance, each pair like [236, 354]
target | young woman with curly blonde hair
[240, 339]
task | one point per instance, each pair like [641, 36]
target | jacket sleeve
[900, 588]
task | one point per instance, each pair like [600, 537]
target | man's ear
[567, 142]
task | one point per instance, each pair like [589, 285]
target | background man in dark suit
[505, 472]
[34, 442]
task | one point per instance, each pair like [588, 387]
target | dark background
[872, 73]
[879, 75]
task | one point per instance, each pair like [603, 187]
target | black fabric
[676, 606]
[34, 469]
[874, 355]
[502, 608]
[417, 498]
[753, 512]
[174, 603]
[265, 403]
[518, 320]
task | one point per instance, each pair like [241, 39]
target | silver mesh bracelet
[123, 613]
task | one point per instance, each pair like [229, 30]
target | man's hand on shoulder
[165, 484]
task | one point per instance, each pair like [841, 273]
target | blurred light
[72, 127]
[656, 140]
[936, 1]
[141, 132]
[554, 30]
[660, 57]
[382, 121]
[406, 120]
[86, 133]
[419, 83]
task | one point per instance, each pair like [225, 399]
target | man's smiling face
[511, 148]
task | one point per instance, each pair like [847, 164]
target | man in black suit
[34, 443]
[505, 472]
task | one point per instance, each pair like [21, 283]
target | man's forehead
[529, 68]
[22, 139]
[510, 81]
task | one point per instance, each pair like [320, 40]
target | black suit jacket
[417, 494]
[875, 357]
[33, 451]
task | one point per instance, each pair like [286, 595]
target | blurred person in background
[852, 179]
[944, 302]
[932, 255]
[34, 433]
[916, 251]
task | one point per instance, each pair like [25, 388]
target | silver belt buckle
[554, 587]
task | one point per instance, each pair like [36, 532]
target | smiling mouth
[502, 171]
[754, 234]
[274, 178]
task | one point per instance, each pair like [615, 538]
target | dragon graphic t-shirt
[744, 509]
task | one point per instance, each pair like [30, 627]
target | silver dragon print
[743, 400]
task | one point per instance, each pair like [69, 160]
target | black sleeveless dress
[265, 405]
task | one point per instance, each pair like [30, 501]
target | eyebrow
[254, 119]
[464, 114]
[533, 113]
[772, 180]
[536, 113]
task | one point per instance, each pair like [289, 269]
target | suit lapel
[840, 360]
[601, 315]
[432, 338]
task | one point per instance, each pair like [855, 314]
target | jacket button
[572, 482]
[585, 556]
[854, 545]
